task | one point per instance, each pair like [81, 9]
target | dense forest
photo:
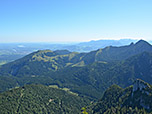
[34, 99]
[131, 100]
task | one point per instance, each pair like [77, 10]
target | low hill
[40, 62]
[32, 99]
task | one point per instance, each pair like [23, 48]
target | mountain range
[13, 51]
[81, 77]
[96, 70]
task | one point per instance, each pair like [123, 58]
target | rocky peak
[140, 85]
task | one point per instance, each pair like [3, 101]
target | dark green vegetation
[39, 99]
[136, 99]
[87, 74]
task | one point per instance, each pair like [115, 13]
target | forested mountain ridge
[112, 53]
[41, 100]
[53, 60]
[43, 60]
[134, 99]
[100, 75]
[84, 73]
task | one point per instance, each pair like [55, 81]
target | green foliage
[84, 110]
[40, 99]
[122, 101]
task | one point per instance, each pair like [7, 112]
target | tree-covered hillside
[134, 99]
[39, 99]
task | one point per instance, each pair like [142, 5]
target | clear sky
[74, 20]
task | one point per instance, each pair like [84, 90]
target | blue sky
[74, 20]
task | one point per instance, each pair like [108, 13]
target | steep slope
[40, 99]
[111, 53]
[134, 99]
[100, 75]
[124, 73]
[121, 53]
[87, 80]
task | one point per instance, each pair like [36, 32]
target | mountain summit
[112, 53]
[140, 85]
[142, 42]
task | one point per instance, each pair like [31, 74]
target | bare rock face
[140, 85]
[140, 93]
